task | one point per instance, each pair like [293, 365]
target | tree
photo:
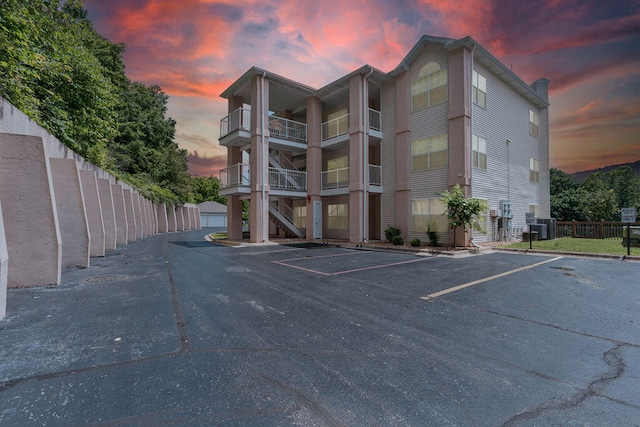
[626, 186]
[462, 211]
[205, 188]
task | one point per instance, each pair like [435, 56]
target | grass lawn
[567, 244]
[219, 235]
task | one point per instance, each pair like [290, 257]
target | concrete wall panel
[120, 211]
[137, 210]
[131, 217]
[163, 219]
[180, 218]
[172, 218]
[108, 213]
[94, 212]
[4, 264]
[72, 217]
[33, 239]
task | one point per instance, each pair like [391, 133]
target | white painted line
[486, 279]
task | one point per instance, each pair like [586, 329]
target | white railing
[337, 178]
[374, 119]
[335, 127]
[375, 175]
[286, 179]
[236, 175]
[240, 119]
[287, 129]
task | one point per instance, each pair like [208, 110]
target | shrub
[415, 242]
[392, 232]
[397, 240]
[434, 238]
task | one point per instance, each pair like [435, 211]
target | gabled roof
[212, 207]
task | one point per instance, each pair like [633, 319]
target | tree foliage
[462, 211]
[70, 80]
[598, 198]
[205, 188]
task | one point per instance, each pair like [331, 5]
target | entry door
[317, 220]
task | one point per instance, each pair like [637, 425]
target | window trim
[475, 148]
[479, 81]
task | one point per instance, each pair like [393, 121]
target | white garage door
[213, 220]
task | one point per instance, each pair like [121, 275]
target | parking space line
[302, 268]
[323, 256]
[378, 266]
[486, 279]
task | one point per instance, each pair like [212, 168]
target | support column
[108, 214]
[403, 154]
[259, 206]
[31, 225]
[163, 222]
[4, 264]
[72, 217]
[120, 213]
[94, 212]
[541, 86]
[131, 216]
[460, 129]
[314, 164]
[234, 204]
[357, 186]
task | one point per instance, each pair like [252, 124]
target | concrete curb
[574, 254]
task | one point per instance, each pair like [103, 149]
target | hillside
[582, 175]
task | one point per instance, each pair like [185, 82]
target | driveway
[173, 330]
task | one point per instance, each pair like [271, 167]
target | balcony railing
[234, 176]
[337, 178]
[287, 179]
[335, 127]
[288, 129]
[374, 119]
[240, 119]
[375, 175]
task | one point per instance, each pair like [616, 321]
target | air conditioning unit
[541, 229]
[551, 226]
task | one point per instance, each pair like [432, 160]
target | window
[300, 216]
[534, 173]
[535, 209]
[431, 87]
[533, 123]
[338, 216]
[479, 90]
[479, 148]
[430, 153]
[339, 172]
[428, 213]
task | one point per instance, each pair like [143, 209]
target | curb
[574, 254]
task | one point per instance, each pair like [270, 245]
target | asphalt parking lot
[172, 330]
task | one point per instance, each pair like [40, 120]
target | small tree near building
[462, 211]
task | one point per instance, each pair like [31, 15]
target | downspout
[471, 133]
[365, 172]
[265, 176]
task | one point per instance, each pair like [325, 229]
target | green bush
[415, 242]
[434, 238]
[392, 232]
[397, 240]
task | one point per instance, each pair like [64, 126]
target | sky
[195, 49]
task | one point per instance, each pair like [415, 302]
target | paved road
[171, 330]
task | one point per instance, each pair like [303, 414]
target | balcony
[288, 130]
[286, 180]
[335, 127]
[235, 180]
[239, 120]
[335, 181]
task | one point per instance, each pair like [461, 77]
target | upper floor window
[533, 123]
[534, 172]
[479, 148]
[479, 89]
[430, 153]
[431, 87]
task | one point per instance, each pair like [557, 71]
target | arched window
[430, 88]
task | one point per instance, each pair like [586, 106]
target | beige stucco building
[374, 149]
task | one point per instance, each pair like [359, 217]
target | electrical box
[493, 213]
[505, 208]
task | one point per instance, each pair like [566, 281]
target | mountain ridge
[582, 175]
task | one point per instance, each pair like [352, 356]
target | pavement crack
[615, 364]
[304, 400]
[177, 311]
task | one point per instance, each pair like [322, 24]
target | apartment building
[374, 149]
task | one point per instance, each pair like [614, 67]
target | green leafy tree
[462, 211]
[205, 188]
[626, 186]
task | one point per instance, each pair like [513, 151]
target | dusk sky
[195, 49]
